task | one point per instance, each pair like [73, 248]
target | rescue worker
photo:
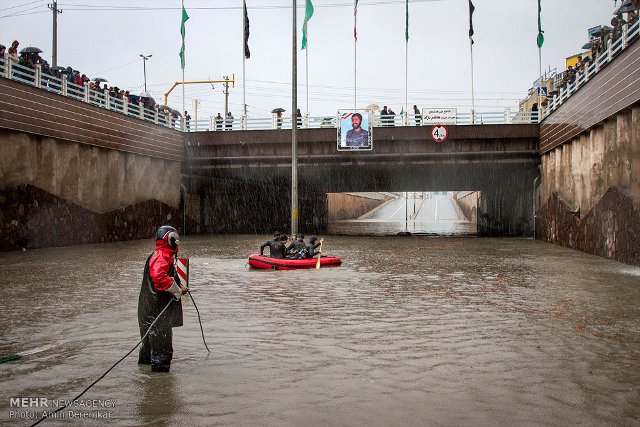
[296, 247]
[276, 247]
[311, 247]
[160, 286]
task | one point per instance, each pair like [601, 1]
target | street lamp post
[144, 68]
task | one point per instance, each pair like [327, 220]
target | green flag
[185, 17]
[406, 27]
[307, 16]
[540, 32]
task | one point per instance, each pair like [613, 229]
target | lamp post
[144, 67]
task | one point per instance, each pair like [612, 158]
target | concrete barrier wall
[342, 206]
[590, 187]
[94, 178]
[467, 202]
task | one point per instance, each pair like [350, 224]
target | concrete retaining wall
[588, 194]
[342, 206]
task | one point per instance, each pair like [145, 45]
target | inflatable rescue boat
[266, 263]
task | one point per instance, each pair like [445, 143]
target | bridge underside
[243, 175]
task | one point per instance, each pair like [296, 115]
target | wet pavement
[409, 331]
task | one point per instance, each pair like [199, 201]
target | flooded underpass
[408, 331]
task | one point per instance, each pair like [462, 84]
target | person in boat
[276, 247]
[296, 247]
[311, 247]
[160, 286]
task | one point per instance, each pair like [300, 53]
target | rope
[199, 321]
[44, 417]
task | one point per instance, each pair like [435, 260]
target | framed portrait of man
[354, 132]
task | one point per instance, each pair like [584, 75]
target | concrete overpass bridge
[499, 160]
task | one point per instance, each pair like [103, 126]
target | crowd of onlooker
[30, 58]
[600, 41]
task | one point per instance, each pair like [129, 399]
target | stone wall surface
[611, 229]
[33, 218]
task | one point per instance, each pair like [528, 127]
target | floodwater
[409, 331]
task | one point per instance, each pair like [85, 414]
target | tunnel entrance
[430, 213]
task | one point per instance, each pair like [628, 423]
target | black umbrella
[626, 7]
[31, 49]
[278, 110]
[58, 69]
[589, 45]
[100, 80]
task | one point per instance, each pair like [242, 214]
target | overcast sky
[105, 38]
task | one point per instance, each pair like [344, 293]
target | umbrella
[100, 80]
[626, 7]
[278, 110]
[589, 45]
[30, 49]
[373, 107]
[145, 95]
[59, 69]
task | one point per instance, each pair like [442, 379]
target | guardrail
[60, 85]
[613, 50]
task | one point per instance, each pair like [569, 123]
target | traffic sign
[439, 133]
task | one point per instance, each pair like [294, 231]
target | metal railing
[318, 122]
[61, 85]
[613, 50]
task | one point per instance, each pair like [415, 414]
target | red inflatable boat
[266, 263]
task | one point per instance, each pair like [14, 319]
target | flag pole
[406, 67]
[183, 62]
[306, 68]
[473, 99]
[244, 59]
[294, 108]
[355, 54]
[540, 41]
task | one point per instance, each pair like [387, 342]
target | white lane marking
[394, 214]
[435, 215]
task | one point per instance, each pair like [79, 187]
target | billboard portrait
[354, 130]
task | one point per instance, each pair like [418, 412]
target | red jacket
[160, 264]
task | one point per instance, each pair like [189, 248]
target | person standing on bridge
[219, 121]
[417, 115]
[229, 121]
[160, 286]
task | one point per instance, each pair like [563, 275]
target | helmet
[313, 239]
[300, 236]
[169, 235]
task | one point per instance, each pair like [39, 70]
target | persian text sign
[435, 116]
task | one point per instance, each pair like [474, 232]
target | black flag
[247, 53]
[471, 9]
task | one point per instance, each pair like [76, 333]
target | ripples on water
[409, 331]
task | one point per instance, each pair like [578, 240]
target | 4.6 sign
[439, 133]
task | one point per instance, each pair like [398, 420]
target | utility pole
[144, 68]
[226, 95]
[54, 43]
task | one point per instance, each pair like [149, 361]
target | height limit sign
[439, 133]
